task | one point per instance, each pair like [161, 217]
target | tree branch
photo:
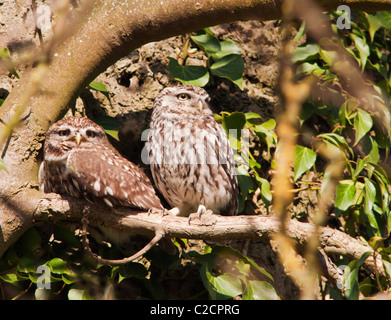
[210, 227]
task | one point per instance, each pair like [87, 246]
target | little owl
[191, 160]
[79, 161]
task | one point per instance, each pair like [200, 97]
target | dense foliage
[362, 198]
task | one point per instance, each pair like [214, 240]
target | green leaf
[370, 196]
[384, 18]
[259, 290]
[234, 121]
[194, 75]
[374, 156]
[110, 125]
[345, 194]
[58, 266]
[208, 43]
[252, 115]
[233, 124]
[328, 56]
[304, 160]
[300, 33]
[223, 286]
[230, 67]
[266, 194]
[362, 124]
[363, 50]
[98, 86]
[359, 167]
[350, 277]
[337, 141]
[10, 277]
[306, 52]
[374, 24]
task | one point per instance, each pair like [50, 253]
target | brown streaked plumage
[79, 161]
[191, 159]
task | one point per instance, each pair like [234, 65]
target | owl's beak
[78, 138]
[200, 105]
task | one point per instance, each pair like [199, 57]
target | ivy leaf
[222, 286]
[259, 290]
[350, 276]
[266, 194]
[304, 160]
[98, 86]
[385, 18]
[307, 53]
[363, 50]
[362, 124]
[233, 124]
[370, 196]
[208, 43]
[230, 67]
[336, 140]
[58, 266]
[227, 48]
[194, 75]
[374, 24]
[345, 194]
[110, 125]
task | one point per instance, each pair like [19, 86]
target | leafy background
[214, 58]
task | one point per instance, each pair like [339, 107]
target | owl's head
[71, 133]
[183, 100]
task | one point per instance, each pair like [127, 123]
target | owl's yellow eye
[183, 96]
[91, 133]
[65, 132]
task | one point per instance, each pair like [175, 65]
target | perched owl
[79, 161]
[191, 160]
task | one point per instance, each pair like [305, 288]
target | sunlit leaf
[306, 52]
[208, 43]
[98, 86]
[362, 124]
[374, 24]
[304, 160]
[259, 290]
[363, 50]
[370, 195]
[194, 75]
[58, 266]
[385, 18]
[345, 194]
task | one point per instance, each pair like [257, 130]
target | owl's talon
[201, 210]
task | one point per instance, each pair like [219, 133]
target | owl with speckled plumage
[191, 160]
[79, 161]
